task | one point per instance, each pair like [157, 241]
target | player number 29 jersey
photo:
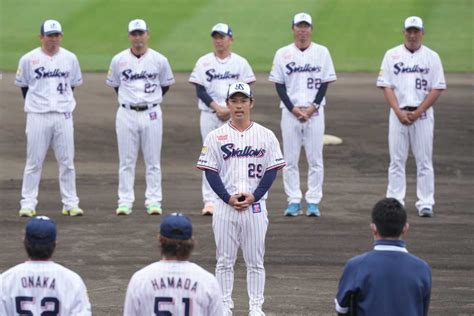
[411, 75]
[50, 80]
[302, 72]
[140, 79]
[241, 157]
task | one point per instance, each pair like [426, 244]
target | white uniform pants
[418, 136]
[43, 130]
[134, 130]
[209, 122]
[310, 135]
[247, 230]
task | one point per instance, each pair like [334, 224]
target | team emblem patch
[153, 116]
[256, 208]
[67, 115]
[204, 150]
[222, 137]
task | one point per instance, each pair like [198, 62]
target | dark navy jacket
[386, 281]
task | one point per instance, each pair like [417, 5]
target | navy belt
[139, 108]
[410, 108]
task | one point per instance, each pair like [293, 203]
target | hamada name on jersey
[216, 76]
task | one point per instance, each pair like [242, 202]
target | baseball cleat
[123, 209]
[256, 312]
[313, 210]
[27, 212]
[293, 209]
[208, 209]
[75, 211]
[154, 209]
[425, 212]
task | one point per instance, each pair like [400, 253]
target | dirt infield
[304, 256]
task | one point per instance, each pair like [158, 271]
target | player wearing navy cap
[40, 286]
[173, 285]
[387, 281]
[241, 160]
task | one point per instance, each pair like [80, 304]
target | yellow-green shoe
[75, 211]
[27, 212]
[123, 209]
[154, 209]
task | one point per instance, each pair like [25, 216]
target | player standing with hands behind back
[240, 160]
[47, 77]
[141, 77]
[301, 72]
[212, 75]
[412, 79]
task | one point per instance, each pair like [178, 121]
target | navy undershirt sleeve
[217, 185]
[281, 90]
[265, 184]
[203, 95]
[321, 93]
[164, 90]
[24, 91]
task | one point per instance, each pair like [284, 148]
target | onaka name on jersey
[306, 68]
[42, 73]
[211, 75]
[38, 282]
[172, 283]
[248, 151]
[129, 75]
[409, 69]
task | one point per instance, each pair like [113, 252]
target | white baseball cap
[414, 21]
[302, 17]
[50, 27]
[239, 87]
[222, 28]
[137, 25]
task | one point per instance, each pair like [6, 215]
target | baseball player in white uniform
[173, 285]
[212, 75]
[301, 72]
[412, 79]
[141, 76]
[47, 76]
[241, 159]
[40, 286]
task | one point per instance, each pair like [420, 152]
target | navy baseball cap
[222, 29]
[176, 226]
[40, 230]
[50, 27]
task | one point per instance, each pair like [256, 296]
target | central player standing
[240, 160]
[301, 73]
[212, 75]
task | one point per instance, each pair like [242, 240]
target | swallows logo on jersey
[128, 74]
[292, 68]
[41, 72]
[211, 75]
[401, 68]
[229, 151]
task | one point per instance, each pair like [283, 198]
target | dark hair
[39, 251]
[179, 249]
[389, 216]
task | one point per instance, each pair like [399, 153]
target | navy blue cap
[176, 226]
[41, 230]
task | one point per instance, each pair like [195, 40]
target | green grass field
[357, 32]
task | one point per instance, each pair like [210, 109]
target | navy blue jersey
[386, 281]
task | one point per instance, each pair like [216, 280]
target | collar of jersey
[223, 61]
[390, 245]
[238, 130]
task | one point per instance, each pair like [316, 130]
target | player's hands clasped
[223, 114]
[241, 201]
[300, 114]
[405, 117]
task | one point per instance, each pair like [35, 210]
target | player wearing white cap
[141, 77]
[40, 286]
[173, 285]
[47, 76]
[212, 75]
[412, 79]
[301, 72]
[240, 160]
